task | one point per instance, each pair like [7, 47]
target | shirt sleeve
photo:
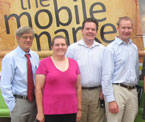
[6, 82]
[137, 67]
[42, 68]
[107, 71]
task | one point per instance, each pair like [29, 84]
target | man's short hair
[90, 20]
[23, 30]
[124, 18]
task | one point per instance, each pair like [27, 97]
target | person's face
[89, 31]
[125, 30]
[59, 47]
[25, 41]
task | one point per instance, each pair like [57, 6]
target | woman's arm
[79, 98]
[40, 80]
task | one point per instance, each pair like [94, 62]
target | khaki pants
[91, 110]
[24, 111]
[127, 101]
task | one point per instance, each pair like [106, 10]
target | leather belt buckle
[91, 88]
[25, 98]
[125, 86]
[130, 87]
[21, 97]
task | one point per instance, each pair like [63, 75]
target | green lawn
[4, 112]
[140, 112]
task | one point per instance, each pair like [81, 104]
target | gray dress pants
[24, 111]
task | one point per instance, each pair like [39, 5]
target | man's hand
[101, 96]
[113, 107]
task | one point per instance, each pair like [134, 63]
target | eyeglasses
[26, 37]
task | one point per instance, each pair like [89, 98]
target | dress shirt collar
[119, 41]
[82, 42]
[21, 52]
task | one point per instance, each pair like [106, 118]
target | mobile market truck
[64, 17]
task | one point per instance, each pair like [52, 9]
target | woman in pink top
[58, 87]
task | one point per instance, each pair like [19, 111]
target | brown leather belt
[125, 86]
[91, 88]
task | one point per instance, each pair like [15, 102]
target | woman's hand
[79, 115]
[40, 117]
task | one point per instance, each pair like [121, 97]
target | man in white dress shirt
[88, 53]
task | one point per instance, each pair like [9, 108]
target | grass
[140, 111]
[4, 112]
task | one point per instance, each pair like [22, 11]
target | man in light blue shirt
[88, 53]
[14, 77]
[120, 75]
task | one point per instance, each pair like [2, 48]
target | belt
[125, 86]
[21, 97]
[90, 88]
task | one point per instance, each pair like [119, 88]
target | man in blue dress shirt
[14, 77]
[120, 75]
[88, 53]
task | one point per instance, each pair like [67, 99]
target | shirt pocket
[34, 67]
[118, 62]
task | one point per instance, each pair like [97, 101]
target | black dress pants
[61, 118]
